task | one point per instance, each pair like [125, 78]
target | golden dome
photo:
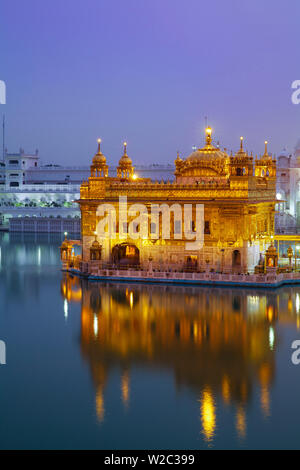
[205, 154]
[208, 153]
[125, 161]
[99, 158]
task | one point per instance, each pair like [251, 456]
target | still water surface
[116, 366]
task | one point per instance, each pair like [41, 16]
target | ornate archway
[125, 254]
[236, 259]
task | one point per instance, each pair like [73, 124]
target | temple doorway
[191, 263]
[236, 259]
[125, 254]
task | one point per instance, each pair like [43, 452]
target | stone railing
[43, 188]
[92, 269]
[44, 224]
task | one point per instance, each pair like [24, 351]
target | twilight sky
[148, 71]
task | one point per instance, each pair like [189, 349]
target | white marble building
[288, 191]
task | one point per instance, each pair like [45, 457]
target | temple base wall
[172, 256]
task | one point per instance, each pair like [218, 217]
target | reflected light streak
[271, 338]
[265, 401]
[125, 388]
[131, 299]
[66, 309]
[264, 375]
[95, 325]
[241, 425]
[100, 410]
[208, 414]
[39, 256]
[297, 302]
[226, 389]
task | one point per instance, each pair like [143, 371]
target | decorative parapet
[237, 188]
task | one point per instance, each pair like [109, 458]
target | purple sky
[148, 71]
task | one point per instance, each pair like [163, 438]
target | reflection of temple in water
[219, 343]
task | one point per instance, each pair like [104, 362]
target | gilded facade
[237, 191]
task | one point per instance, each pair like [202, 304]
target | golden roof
[207, 153]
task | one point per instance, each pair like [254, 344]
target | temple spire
[99, 143]
[125, 148]
[178, 160]
[241, 146]
[266, 147]
[208, 132]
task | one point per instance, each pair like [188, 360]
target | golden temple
[237, 193]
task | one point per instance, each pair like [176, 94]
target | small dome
[99, 158]
[283, 153]
[125, 161]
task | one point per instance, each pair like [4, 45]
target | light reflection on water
[217, 342]
[177, 367]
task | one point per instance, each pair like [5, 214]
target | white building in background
[29, 189]
[16, 166]
[288, 191]
[21, 197]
